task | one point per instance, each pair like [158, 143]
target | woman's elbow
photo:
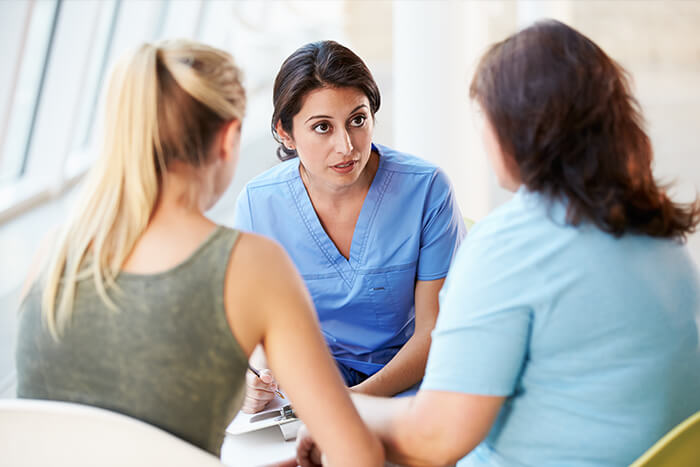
[448, 448]
[432, 442]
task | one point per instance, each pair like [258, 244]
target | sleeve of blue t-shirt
[242, 219]
[480, 340]
[443, 229]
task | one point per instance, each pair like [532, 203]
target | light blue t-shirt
[594, 339]
[408, 229]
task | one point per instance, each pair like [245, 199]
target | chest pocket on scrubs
[391, 294]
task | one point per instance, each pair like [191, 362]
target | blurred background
[56, 54]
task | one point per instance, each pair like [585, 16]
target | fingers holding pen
[260, 390]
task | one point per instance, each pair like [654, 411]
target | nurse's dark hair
[313, 66]
[563, 111]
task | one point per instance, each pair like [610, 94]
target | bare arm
[432, 428]
[268, 303]
[408, 365]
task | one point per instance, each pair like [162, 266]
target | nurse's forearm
[403, 371]
[408, 365]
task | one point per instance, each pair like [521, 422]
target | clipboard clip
[285, 413]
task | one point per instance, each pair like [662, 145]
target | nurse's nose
[343, 145]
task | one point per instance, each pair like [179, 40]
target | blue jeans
[350, 375]
[353, 377]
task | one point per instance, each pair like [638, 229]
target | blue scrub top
[408, 229]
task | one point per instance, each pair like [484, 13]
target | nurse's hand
[259, 391]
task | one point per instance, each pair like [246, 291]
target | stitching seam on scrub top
[360, 256]
[312, 233]
[380, 197]
[250, 211]
[384, 270]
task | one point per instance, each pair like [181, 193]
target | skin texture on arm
[433, 428]
[408, 365]
[266, 301]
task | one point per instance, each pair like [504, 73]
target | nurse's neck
[328, 194]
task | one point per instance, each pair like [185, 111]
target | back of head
[164, 103]
[313, 66]
[563, 111]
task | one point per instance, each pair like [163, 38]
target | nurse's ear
[286, 138]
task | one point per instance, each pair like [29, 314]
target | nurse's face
[332, 134]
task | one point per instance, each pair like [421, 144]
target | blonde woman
[146, 307]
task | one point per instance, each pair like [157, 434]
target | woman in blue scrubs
[371, 229]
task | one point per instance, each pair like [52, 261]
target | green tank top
[166, 357]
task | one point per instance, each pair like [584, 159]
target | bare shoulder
[253, 249]
[260, 280]
[257, 257]
[264, 274]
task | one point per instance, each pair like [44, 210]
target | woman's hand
[308, 454]
[259, 391]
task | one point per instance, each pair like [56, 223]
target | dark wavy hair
[313, 66]
[563, 111]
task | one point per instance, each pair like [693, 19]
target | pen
[257, 373]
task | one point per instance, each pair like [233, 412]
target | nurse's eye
[358, 120]
[322, 128]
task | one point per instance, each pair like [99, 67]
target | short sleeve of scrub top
[437, 244]
[408, 229]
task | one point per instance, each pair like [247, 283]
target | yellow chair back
[680, 447]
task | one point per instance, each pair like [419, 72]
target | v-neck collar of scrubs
[346, 268]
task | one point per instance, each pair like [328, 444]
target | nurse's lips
[344, 167]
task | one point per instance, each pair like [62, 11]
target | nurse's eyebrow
[317, 116]
[357, 108]
[328, 116]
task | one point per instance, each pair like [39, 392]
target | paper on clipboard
[245, 423]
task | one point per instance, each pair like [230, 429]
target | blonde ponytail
[178, 57]
[163, 103]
